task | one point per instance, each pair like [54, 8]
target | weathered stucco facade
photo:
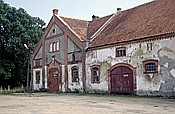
[160, 83]
[128, 52]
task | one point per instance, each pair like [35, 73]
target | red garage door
[122, 80]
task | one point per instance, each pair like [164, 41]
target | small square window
[150, 66]
[120, 52]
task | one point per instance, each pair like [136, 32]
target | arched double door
[121, 80]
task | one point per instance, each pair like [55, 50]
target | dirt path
[40, 103]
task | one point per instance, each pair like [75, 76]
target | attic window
[53, 31]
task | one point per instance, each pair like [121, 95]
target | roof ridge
[74, 18]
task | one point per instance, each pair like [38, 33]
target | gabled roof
[95, 25]
[77, 25]
[147, 20]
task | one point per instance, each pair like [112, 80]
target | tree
[16, 29]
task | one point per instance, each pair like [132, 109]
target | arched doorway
[53, 80]
[122, 79]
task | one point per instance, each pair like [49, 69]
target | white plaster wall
[75, 86]
[63, 79]
[37, 86]
[45, 69]
[136, 54]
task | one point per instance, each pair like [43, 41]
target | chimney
[95, 17]
[119, 9]
[55, 11]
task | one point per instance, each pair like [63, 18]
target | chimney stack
[95, 17]
[55, 11]
[119, 9]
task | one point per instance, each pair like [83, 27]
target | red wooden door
[53, 80]
[122, 80]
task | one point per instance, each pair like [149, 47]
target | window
[149, 46]
[73, 57]
[37, 77]
[50, 47]
[95, 74]
[57, 45]
[54, 46]
[120, 52]
[53, 31]
[150, 66]
[75, 74]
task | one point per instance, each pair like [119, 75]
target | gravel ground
[43, 103]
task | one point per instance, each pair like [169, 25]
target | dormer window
[120, 52]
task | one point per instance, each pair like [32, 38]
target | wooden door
[53, 80]
[122, 80]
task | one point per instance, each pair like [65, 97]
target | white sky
[79, 9]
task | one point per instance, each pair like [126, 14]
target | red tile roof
[151, 19]
[78, 26]
[96, 24]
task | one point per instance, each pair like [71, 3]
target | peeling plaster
[173, 72]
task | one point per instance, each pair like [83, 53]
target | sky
[78, 9]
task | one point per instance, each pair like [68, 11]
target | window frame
[98, 74]
[57, 45]
[149, 62]
[37, 78]
[123, 54]
[75, 78]
[50, 47]
[54, 46]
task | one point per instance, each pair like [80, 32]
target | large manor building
[130, 51]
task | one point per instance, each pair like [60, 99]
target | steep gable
[151, 19]
[95, 25]
[78, 26]
[54, 30]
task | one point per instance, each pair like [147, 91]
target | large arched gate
[121, 80]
